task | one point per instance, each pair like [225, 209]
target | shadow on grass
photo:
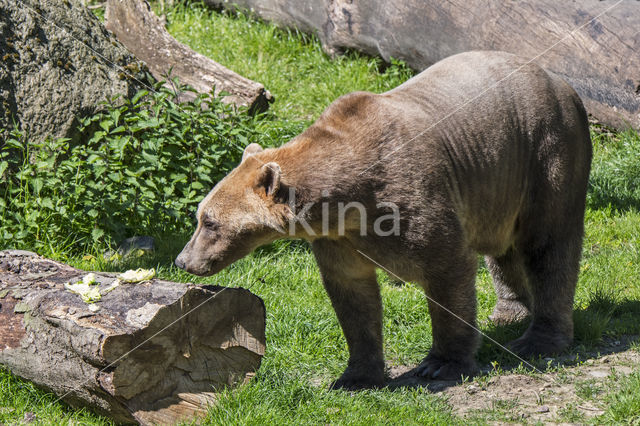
[167, 249]
[602, 328]
[599, 199]
[164, 254]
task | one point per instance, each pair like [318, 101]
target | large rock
[58, 62]
[593, 44]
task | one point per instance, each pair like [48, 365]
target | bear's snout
[180, 262]
[193, 262]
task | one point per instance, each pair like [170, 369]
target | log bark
[143, 34]
[155, 353]
[600, 59]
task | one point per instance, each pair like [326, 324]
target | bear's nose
[179, 262]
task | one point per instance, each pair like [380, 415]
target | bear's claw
[437, 368]
[531, 345]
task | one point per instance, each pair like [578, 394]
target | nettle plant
[141, 168]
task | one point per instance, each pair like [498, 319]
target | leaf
[3, 167]
[97, 137]
[14, 143]
[138, 95]
[37, 183]
[99, 170]
[96, 234]
[116, 177]
[115, 114]
[178, 177]
[147, 193]
[106, 124]
[151, 158]
[145, 124]
[151, 184]
[46, 202]
[243, 140]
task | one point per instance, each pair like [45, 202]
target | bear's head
[243, 211]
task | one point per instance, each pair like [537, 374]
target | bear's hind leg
[452, 307]
[553, 273]
[350, 281]
[510, 283]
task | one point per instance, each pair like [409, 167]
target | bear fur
[482, 153]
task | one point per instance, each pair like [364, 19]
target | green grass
[305, 347]
[291, 65]
[19, 399]
[624, 405]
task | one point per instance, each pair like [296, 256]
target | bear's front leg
[452, 306]
[350, 281]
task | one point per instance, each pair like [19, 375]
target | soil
[535, 397]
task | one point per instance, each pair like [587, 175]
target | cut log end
[155, 352]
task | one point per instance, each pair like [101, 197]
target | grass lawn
[305, 346]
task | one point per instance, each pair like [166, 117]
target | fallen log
[593, 44]
[155, 352]
[143, 34]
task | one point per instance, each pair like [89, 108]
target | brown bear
[483, 152]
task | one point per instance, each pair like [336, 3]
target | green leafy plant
[142, 167]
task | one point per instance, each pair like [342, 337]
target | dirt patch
[534, 397]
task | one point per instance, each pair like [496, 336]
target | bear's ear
[251, 149]
[268, 179]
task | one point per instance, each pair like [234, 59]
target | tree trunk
[143, 33]
[599, 59]
[155, 352]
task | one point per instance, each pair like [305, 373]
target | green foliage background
[141, 169]
[142, 165]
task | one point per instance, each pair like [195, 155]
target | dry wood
[121, 361]
[144, 34]
[593, 44]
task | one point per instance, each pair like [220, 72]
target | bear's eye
[211, 224]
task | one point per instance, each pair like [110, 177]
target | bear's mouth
[213, 267]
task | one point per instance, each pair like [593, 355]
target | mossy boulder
[58, 62]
